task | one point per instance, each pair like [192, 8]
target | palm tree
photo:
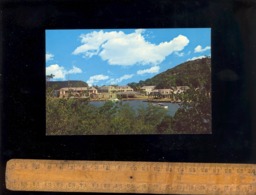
[49, 77]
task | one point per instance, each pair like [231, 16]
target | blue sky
[121, 56]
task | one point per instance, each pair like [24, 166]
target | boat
[114, 100]
[160, 105]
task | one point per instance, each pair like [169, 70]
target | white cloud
[154, 69]
[74, 70]
[56, 70]
[195, 58]
[180, 54]
[199, 49]
[60, 72]
[96, 78]
[120, 79]
[140, 31]
[91, 42]
[125, 77]
[49, 56]
[118, 48]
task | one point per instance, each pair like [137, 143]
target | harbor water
[172, 107]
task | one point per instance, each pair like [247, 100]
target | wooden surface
[130, 177]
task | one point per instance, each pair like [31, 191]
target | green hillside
[196, 73]
[61, 84]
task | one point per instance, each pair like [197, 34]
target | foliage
[49, 77]
[194, 115]
[181, 75]
[61, 84]
[77, 117]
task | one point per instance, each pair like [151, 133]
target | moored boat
[160, 105]
[114, 100]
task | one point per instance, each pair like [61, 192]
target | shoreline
[164, 101]
[143, 99]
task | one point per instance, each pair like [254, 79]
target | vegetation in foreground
[78, 117]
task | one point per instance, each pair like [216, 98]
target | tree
[49, 90]
[194, 114]
[49, 77]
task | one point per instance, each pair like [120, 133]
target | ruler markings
[139, 177]
[144, 167]
[139, 188]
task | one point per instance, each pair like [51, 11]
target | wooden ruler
[130, 177]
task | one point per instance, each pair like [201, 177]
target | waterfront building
[79, 92]
[148, 89]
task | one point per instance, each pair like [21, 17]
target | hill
[61, 84]
[196, 73]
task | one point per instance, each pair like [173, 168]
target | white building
[148, 89]
[77, 91]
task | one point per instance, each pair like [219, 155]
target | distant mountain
[61, 84]
[196, 73]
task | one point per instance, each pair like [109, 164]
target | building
[127, 94]
[168, 93]
[165, 91]
[180, 89]
[93, 90]
[148, 89]
[107, 89]
[79, 92]
[124, 89]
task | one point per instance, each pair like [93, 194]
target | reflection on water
[172, 107]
